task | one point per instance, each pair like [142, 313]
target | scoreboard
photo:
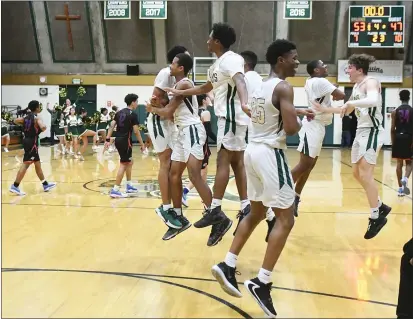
[376, 26]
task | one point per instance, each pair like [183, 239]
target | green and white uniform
[104, 122]
[370, 132]
[72, 122]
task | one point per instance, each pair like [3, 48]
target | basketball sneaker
[225, 275]
[400, 192]
[262, 294]
[241, 214]
[374, 227]
[185, 200]
[406, 189]
[117, 194]
[172, 232]
[211, 217]
[169, 217]
[16, 190]
[49, 186]
[131, 189]
[218, 231]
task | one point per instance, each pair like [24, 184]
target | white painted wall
[392, 100]
[116, 94]
[23, 94]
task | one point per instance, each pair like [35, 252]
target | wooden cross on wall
[67, 17]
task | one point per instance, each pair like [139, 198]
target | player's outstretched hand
[149, 107]
[246, 110]
[309, 113]
[344, 109]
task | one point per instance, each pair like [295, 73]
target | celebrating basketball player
[402, 140]
[188, 149]
[125, 121]
[162, 131]
[367, 101]
[32, 127]
[319, 89]
[226, 79]
[253, 81]
[269, 178]
[204, 102]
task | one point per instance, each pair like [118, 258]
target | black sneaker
[270, 224]
[241, 214]
[218, 231]
[296, 202]
[384, 210]
[172, 232]
[210, 217]
[262, 295]
[225, 275]
[375, 225]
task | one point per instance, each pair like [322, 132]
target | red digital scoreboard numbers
[376, 26]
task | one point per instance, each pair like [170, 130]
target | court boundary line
[141, 275]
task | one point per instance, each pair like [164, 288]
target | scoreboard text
[376, 26]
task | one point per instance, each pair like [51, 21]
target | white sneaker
[6, 149]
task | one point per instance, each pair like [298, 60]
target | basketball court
[75, 252]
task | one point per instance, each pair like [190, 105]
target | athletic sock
[231, 259]
[44, 182]
[264, 276]
[379, 202]
[116, 187]
[178, 211]
[374, 213]
[129, 183]
[245, 203]
[216, 203]
[166, 207]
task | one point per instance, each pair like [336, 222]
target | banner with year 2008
[117, 10]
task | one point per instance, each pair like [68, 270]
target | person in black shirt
[32, 127]
[402, 140]
[125, 121]
[405, 301]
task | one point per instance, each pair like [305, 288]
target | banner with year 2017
[386, 71]
[117, 10]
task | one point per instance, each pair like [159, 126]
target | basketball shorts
[124, 147]
[163, 133]
[367, 144]
[402, 147]
[191, 140]
[311, 138]
[269, 178]
[4, 131]
[207, 154]
[31, 150]
[231, 136]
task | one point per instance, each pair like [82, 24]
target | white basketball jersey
[187, 112]
[226, 101]
[367, 117]
[320, 89]
[266, 123]
[164, 79]
[253, 81]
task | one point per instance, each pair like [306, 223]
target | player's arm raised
[170, 109]
[197, 90]
[284, 95]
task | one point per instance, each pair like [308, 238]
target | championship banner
[386, 71]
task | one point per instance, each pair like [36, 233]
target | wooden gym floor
[74, 252]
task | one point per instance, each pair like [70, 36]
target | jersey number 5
[258, 111]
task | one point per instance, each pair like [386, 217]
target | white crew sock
[231, 259]
[216, 203]
[264, 276]
[374, 213]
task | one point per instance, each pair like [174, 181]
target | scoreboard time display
[376, 26]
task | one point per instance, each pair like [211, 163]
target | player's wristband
[108, 140]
